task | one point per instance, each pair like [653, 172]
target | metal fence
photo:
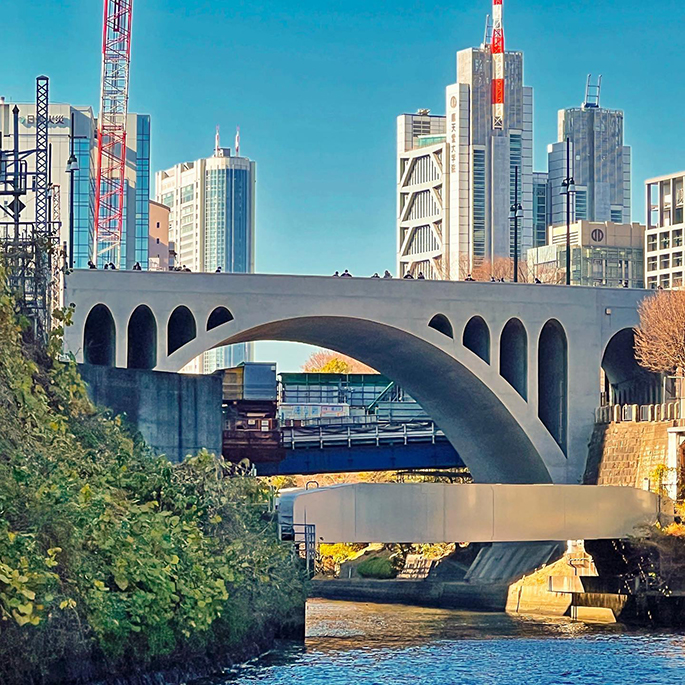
[616, 413]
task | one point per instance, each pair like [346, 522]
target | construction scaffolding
[30, 248]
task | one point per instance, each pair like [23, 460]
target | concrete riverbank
[446, 595]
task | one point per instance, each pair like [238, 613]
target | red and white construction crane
[111, 153]
[497, 49]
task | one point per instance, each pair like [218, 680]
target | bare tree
[660, 338]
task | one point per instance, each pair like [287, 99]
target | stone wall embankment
[626, 453]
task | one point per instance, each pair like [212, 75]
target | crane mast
[111, 135]
[497, 49]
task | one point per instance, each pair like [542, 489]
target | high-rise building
[421, 152]
[212, 225]
[455, 193]
[599, 164]
[484, 158]
[61, 118]
[84, 141]
[664, 232]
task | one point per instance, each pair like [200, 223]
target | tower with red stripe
[497, 51]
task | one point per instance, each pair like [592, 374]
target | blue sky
[316, 87]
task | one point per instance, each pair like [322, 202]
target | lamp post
[72, 168]
[568, 188]
[516, 213]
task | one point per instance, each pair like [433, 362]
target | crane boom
[111, 135]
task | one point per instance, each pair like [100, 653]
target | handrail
[616, 413]
[379, 433]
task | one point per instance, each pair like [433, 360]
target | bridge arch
[476, 337]
[99, 337]
[442, 324]
[457, 399]
[219, 316]
[626, 381]
[553, 381]
[181, 329]
[513, 356]
[141, 352]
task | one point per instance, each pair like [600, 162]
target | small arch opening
[142, 339]
[442, 324]
[218, 317]
[99, 337]
[477, 338]
[625, 381]
[181, 329]
[553, 381]
[513, 356]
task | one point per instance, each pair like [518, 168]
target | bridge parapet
[508, 371]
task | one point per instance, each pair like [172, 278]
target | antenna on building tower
[592, 93]
[487, 36]
[217, 143]
[497, 51]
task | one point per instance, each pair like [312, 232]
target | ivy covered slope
[112, 560]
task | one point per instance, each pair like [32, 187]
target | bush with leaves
[108, 553]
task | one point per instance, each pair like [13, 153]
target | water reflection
[370, 644]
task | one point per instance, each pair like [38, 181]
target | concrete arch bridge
[510, 372]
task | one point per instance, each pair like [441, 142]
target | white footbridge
[477, 512]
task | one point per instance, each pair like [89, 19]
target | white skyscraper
[455, 194]
[212, 225]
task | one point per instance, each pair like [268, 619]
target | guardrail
[360, 434]
[616, 413]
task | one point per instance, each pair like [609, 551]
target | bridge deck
[437, 512]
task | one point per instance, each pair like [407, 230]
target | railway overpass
[508, 371]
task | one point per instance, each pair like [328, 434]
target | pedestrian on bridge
[387, 274]
[408, 275]
[336, 275]
[421, 277]
[346, 274]
[375, 275]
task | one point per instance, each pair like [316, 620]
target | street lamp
[516, 213]
[72, 168]
[568, 188]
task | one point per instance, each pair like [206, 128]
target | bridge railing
[616, 413]
[359, 434]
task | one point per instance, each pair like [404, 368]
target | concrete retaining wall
[446, 595]
[177, 414]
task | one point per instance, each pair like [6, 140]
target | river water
[379, 644]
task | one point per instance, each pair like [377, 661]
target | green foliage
[377, 567]
[105, 547]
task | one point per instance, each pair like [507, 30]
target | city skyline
[342, 195]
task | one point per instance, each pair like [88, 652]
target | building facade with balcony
[664, 231]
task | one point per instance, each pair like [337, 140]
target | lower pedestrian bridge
[509, 372]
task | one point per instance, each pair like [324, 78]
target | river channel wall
[446, 595]
[177, 414]
[629, 453]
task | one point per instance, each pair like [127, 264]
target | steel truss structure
[111, 155]
[29, 248]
